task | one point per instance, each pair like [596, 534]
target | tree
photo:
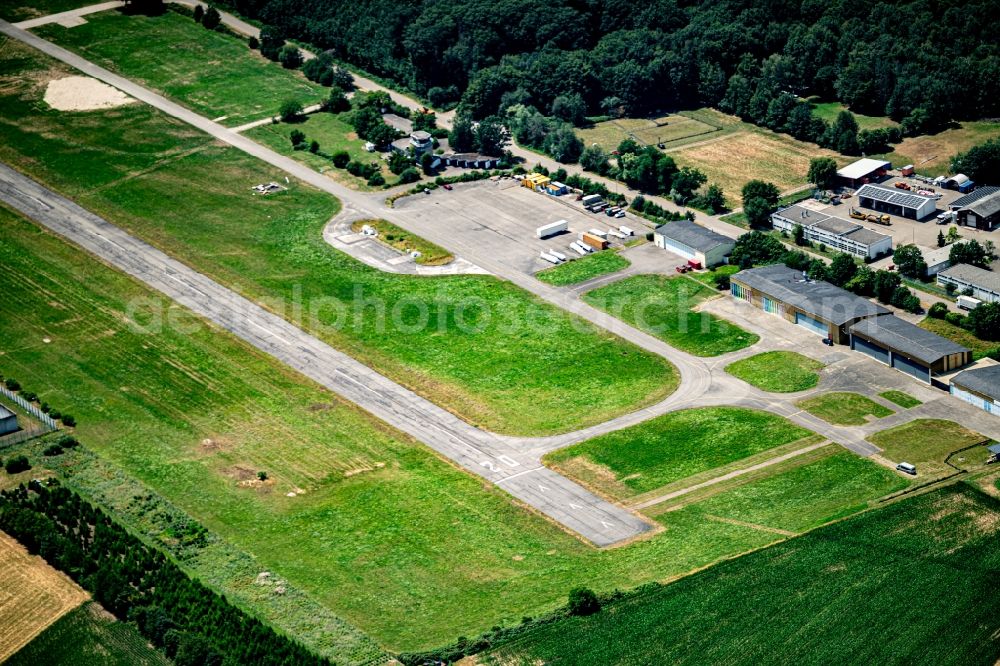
[337, 102]
[199, 13]
[297, 137]
[271, 41]
[290, 110]
[984, 321]
[980, 163]
[969, 252]
[823, 172]
[842, 269]
[147, 7]
[290, 57]
[399, 162]
[491, 137]
[885, 284]
[314, 146]
[341, 78]
[756, 248]
[563, 145]
[686, 181]
[799, 235]
[910, 262]
[817, 270]
[714, 199]
[211, 20]
[253, 43]
[462, 138]
[341, 158]
[937, 311]
[376, 180]
[873, 141]
[583, 601]
[426, 164]
[760, 199]
[843, 134]
[941, 242]
[570, 108]
[410, 175]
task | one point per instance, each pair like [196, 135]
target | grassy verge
[777, 371]
[980, 348]
[133, 166]
[89, 636]
[841, 594]
[707, 278]
[212, 73]
[927, 443]
[672, 447]
[740, 218]
[583, 269]
[904, 400]
[844, 408]
[404, 241]
[665, 307]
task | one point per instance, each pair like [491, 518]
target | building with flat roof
[835, 232]
[693, 242]
[936, 258]
[8, 421]
[419, 142]
[863, 171]
[908, 348]
[985, 285]
[815, 305]
[896, 202]
[979, 387]
[983, 213]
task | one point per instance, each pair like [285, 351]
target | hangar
[693, 241]
[908, 348]
[896, 202]
[815, 305]
[979, 387]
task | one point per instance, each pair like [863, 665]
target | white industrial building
[863, 171]
[834, 232]
[937, 259]
[693, 242]
[985, 285]
[896, 202]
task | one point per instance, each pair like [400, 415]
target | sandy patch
[82, 93]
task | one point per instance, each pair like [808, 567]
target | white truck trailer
[552, 229]
[967, 303]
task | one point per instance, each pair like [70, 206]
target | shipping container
[594, 241]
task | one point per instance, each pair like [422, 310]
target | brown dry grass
[932, 154]
[32, 597]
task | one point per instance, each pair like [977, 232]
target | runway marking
[575, 506]
[542, 488]
[514, 476]
[268, 331]
[507, 460]
[346, 376]
[607, 525]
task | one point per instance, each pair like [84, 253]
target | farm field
[672, 447]
[404, 241]
[334, 133]
[89, 636]
[931, 153]
[365, 537]
[34, 596]
[583, 269]
[980, 348]
[927, 442]
[777, 371]
[212, 73]
[666, 307]
[272, 249]
[840, 594]
[844, 408]
[733, 160]
[904, 400]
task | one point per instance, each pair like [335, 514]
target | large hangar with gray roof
[694, 242]
[908, 348]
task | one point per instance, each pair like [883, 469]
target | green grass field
[904, 400]
[89, 636]
[404, 241]
[828, 111]
[334, 133]
[842, 594]
[664, 307]
[212, 73]
[21, 10]
[927, 442]
[670, 130]
[505, 370]
[583, 269]
[844, 408]
[777, 371]
[672, 447]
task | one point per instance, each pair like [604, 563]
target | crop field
[583, 269]
[667, 130]
[133, 167]
[404, 241]
[33, 596]
[733, 160]
[666, 307]
[213, 73]
[89, 636]
[844, 408]
[904, 400]
[334, 133]
[841, 594]
[927, 442]
[931, 153]
[672, 447]
[777, 371]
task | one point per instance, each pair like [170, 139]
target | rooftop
[866, 236]
[974, 195]
[814, 297]
[936, 255]
[4, 412]
[836, 225]
[693, 235]
[862, 168]
[981, 380]
[893, 196]
[986, 206]
[907, 338]
[421, 136]
[802, 215]
[974, 275]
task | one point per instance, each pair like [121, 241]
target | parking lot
[498, 219]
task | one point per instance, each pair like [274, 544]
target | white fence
[30, 408]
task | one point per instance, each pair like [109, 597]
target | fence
[44, 418]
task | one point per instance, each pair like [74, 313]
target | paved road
[70, 15]
[517, 472]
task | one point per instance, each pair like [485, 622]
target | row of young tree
[192, 624]
[922, 63]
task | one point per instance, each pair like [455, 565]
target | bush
[297, 137]
[262, 475]
[955, 319]
[583, 601]
[314, 146]
[377, 180]
[211, 19]
[410, 175]
[55, 414]
[290, 57]
[68, 442]
[341, 158]
[12, 384]
[721, 281]
[68, 420]
[17, 464]
[253, 43]
[290, 111]
[30, 396]
[53, 450]
[938, 311]
[199, 13]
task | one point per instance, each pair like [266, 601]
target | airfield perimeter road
[512, 463]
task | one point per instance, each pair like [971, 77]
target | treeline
[192, 624]
[922, 63]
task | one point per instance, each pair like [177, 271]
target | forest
[922, 62]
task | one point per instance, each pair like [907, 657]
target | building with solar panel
[896, 202]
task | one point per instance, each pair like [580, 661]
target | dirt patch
[320, 407]
[362, 470]
[82, 93]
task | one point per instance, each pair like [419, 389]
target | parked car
[447, 186]
[828, 342]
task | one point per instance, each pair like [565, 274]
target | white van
[907, 468]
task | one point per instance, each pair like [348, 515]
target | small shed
[535, 181]
[8, 421]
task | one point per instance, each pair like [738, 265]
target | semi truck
[552, 229]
